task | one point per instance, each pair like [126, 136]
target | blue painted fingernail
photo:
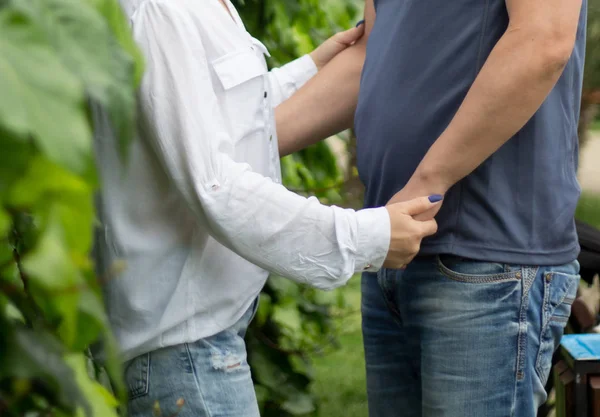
[435, 198]
[360, 23]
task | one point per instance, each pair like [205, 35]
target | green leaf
[300, 403]
[54, 277]
[14, 157]
[26, 354]
[267, 372]
[101, 402]
[49, 264]
[5, 223]
[264, 309]
[262, 395]
[287, 315]
[109, 357]
[112, 12]
[83, 40]
[50, 108]
[284, 287]
[47, 185]
[91, 322]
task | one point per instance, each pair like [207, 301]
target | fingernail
[360, 23]
[435, 198]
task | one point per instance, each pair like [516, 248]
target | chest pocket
[236, 68]
[244, 102]
[241, 77]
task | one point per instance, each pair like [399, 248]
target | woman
[199, 216]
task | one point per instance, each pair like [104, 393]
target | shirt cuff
[374, 234]
[301, 70]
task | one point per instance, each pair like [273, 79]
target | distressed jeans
[207, 378]
[451, 337]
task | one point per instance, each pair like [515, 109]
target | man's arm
[325, 105]
[514, 82]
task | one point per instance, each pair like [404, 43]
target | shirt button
[271, 137]
[265, 94]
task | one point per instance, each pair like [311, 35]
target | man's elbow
[557, 56]
[555, 48]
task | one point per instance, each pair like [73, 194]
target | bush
[57, 59]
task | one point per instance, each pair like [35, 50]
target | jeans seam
[528, 276]
[197, 380]
[390, 306]
[141, 391]
[548, 317]
[476, 279]
[545, 323]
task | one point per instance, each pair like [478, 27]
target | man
[199, 216]
[477, 100]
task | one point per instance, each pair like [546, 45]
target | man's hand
[407, 233]
[336, 44]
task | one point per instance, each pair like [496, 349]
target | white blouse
[196, 214]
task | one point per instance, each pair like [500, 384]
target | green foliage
[591, 82]
[588, 209]
[592, 64]
[57, 57]
[295, 321]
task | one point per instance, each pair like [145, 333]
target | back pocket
[137, 376]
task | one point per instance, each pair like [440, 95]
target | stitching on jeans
[144, 389]
[559, 319]
[549, 317]
[384, 293]
[476, 279]
[528, 277]
[197, 380]
[546, 320]
[563, 300]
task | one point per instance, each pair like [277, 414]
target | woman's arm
[325, 105]
[288, 79]
[260, 220]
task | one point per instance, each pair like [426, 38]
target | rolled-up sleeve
[257, 218]
[289, 78]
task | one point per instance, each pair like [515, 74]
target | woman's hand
[336, 44]
[407, 232]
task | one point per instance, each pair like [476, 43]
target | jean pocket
[476, 272]
[137, 376]
[560, 290]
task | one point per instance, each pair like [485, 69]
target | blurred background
[58, 58]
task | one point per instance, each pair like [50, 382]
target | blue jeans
[207, 378]
[451, 337]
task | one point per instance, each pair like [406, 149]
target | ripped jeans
[206, 378]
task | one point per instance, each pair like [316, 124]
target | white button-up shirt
[196, 214]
